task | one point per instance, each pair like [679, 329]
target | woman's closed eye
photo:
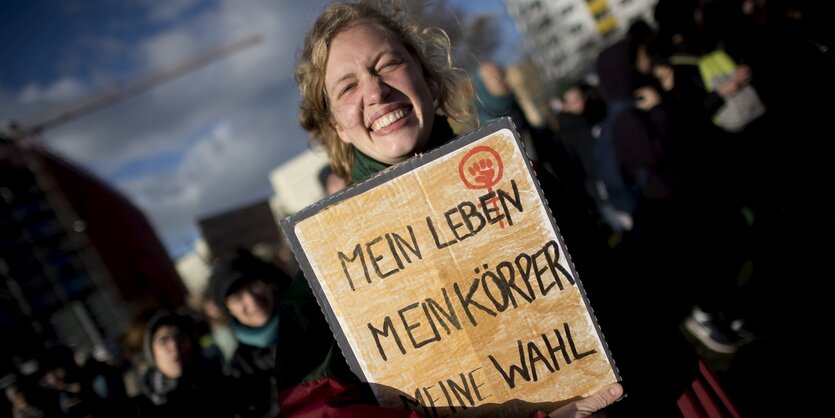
[389, 65]
[346, 89]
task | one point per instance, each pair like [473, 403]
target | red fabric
[723, 397]
[705, 398]
[328, 397]
[689, 406]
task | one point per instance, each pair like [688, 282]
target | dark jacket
[199, 393]
[253, 381]
[313, 377]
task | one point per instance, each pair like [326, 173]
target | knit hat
[183, 323]
[232, 272]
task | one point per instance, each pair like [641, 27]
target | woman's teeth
[388, 119]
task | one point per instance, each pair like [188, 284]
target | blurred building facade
[244, 227]
[78, 260]
[297, 183]
[564, 37]
[252, 227]
[194, 268]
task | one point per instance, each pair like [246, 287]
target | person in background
[580, 117]
[178, 382]
[220, 328]
[493, 96]
[330, 182]
[249, 291]
[95, 390]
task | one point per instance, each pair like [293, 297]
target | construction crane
[113, 94]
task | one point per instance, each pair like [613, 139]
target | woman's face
[380, 101]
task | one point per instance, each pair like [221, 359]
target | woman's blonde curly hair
[430, 46]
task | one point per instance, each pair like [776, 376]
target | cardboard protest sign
[448, 286]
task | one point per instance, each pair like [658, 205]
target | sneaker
[709, 333]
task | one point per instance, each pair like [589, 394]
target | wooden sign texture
[448, 285]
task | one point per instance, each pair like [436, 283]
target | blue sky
[197, 145]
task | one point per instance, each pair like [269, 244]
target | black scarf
[158, 387]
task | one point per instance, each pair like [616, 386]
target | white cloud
[62, 89]
[167, 117]
[224, 169]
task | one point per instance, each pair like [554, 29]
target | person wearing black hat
[179, 382]
[249, 291]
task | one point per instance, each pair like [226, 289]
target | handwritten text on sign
[453, 289]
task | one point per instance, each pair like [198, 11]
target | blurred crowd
[688, 177]
[218, 362]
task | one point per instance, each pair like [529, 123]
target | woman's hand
[591, 404]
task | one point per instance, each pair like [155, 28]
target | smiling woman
[382, 104]
[371, 87]
[375, 91]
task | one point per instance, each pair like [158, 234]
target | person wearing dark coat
[582, 112]
[178, 383]
[250, 291]
[639, 166]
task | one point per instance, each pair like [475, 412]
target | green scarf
[264, 336]
[365, 166]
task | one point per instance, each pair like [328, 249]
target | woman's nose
[376, 89]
